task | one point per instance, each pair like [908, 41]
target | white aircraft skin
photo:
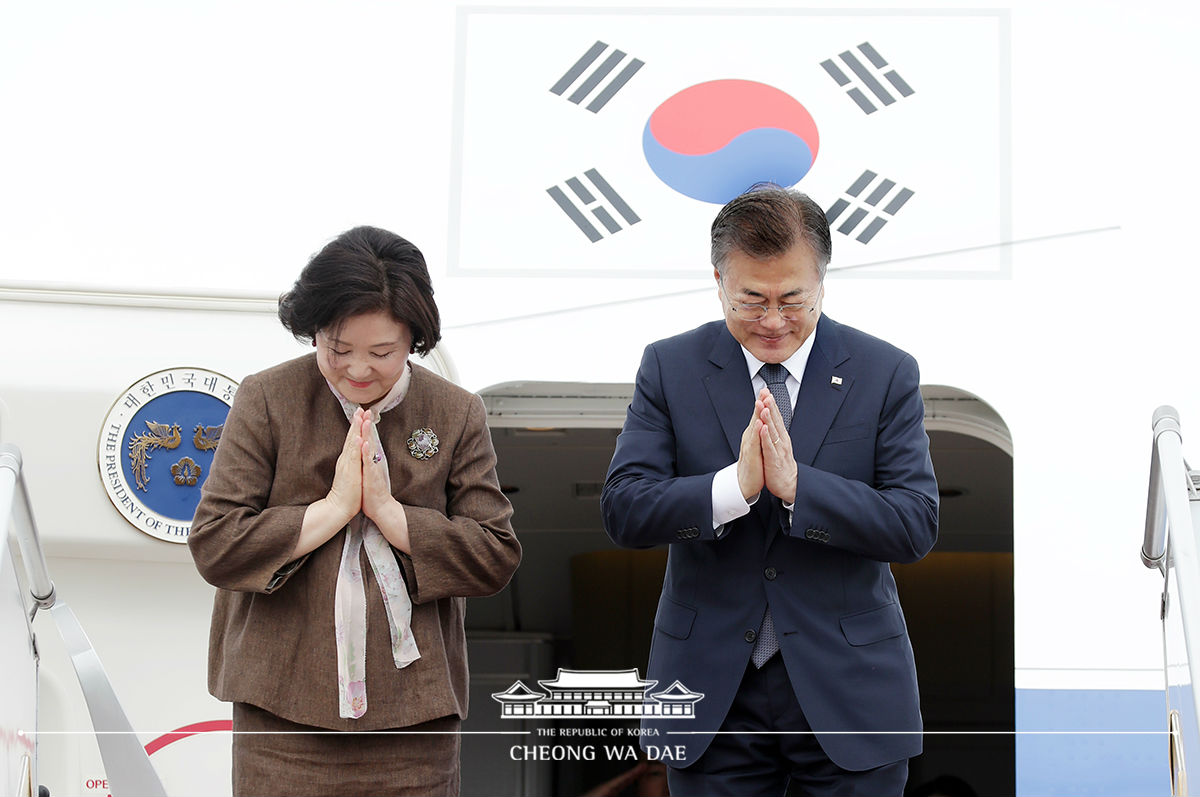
[168, 171]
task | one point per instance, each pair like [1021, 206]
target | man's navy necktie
[775, 375]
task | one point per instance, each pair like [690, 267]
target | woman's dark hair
[364, 270]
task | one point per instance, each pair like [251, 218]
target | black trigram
[867, 77]
[593, 79]
[600, 201]
[868, 205]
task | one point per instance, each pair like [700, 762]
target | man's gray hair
[767, 221]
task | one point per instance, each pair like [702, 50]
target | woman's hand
[377, 501]
[359, 484]
[327, 517]
[376, 491]
[346, 494]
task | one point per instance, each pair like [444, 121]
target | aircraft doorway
[958, 600]
[579, 602]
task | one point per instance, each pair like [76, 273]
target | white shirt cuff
[728, 504]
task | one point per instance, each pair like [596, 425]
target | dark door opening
[579, 602]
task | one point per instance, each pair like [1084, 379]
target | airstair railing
[1167, 501]
[126, 763]
[1170, 545]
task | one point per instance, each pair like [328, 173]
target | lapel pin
[835, 380]
[423, 444]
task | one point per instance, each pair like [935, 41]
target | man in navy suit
[783, 457]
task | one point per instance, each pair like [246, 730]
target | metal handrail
[1165, 503]
[126, 763]
[41, 588]
[1171, 545]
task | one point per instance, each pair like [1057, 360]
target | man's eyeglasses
[748, 311]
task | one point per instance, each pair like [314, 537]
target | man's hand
[750, 458]
[778, 461]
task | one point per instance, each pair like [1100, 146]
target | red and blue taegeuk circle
[714, 140]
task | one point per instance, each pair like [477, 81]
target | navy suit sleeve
[894, 519]
[646, 501]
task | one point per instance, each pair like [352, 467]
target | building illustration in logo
[616, 694]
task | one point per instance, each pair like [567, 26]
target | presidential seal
[157, 445]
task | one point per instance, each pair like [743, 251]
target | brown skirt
[272, 756]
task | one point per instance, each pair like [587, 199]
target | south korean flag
[612, 137]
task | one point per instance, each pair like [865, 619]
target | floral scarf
[350, 600]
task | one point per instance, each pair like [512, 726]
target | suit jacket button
[770, 573]
[810, 533]
[750, 635]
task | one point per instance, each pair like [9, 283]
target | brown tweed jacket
[272, 638]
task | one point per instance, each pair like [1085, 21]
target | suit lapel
[821, 392]
[729, 388]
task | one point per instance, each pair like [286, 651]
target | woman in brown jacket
[352, 507]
